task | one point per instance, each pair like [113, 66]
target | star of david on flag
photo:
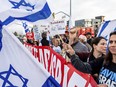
[13, 72]
[26, 28]
[17, 5]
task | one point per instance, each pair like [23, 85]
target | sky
[84, 9]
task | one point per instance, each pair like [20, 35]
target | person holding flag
[77, 45]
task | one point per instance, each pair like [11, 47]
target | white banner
[57, 27]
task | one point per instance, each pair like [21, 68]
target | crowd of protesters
[86, 53]
[101, 65]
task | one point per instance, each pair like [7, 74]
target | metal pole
[70, 18]
[70, 9]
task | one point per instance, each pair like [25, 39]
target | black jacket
[44, 42]
[87, 67]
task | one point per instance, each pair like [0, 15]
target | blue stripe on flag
[103, 27]
[8, 20]
[41, 14]
[50, 82]
[0, 35]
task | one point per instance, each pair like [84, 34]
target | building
[95, 23]
[83, 23]
[100, 17]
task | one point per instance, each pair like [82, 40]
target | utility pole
[70, 18]
[70, 8]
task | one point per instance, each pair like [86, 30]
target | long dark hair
[108, 57]
[95, 41]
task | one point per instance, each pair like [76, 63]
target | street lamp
[63, 13]
[70, 8]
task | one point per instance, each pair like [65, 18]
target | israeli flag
[18, 67]
[106, 28]
[26, 27]
[29, 10]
